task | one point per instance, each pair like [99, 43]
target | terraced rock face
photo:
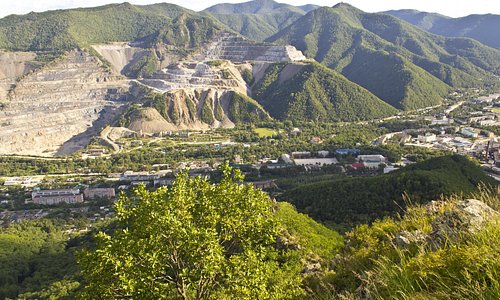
[13, 66]
[197, 75]
[238, 49]
[56, 109]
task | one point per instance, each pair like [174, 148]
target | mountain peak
[347, 8]
[250, 7]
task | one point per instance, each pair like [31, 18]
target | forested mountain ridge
[478, 27]
[394, 60]
[311, 91]
[257, 7]
[258, 19]
[61, 30]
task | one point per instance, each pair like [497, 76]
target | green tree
[196, 240]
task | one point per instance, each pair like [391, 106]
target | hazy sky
[453, 8]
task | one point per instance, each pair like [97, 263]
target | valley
[255, 150]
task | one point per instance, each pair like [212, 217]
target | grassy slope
[318, 93]
[382, 195]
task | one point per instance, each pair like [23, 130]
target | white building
[316, 161]
[371, 161]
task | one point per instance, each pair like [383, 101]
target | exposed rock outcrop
[14, 65]
[197, 75]
[120, 55]
[56, 109]
[237, 49]
[452, 222]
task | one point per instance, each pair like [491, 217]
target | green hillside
[478, 27]
[243, 109]
[398, 62]
[258, 19]
[378, 196]
[314, 92]
[66, 29]
[256, 7]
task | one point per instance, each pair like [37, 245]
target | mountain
[310, 91]
[258, 19]
[68, 29]
[257, 7]
[380, 196]
[401, 64]
[478, 27]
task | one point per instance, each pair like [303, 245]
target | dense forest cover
[67, 29]
[477, 27]
[316, 93]
[364, 199]
[37, 261]
[401, 64]
[257, 20]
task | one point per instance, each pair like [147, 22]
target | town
[467, 127]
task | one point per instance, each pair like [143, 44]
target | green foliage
[243, 109]
[207, 114]
[404, 66]
[195, 240]
[477, 27]
[215, 63]
[314, 238]
[67, 29]
[33, 256]
[143, 67]
[465, 267]
[257, 20]
[378, 196]
[218, 111]
[247, 75]
[317, 93]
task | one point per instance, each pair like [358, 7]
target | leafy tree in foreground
[196, 240]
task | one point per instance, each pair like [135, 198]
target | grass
[264, 132]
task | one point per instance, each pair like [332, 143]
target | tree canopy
[195, 240]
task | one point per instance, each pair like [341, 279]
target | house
[99, 193]
[51, 197]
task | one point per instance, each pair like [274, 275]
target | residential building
[51, 197]
[99, 193]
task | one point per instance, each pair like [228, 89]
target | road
[105, 136]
